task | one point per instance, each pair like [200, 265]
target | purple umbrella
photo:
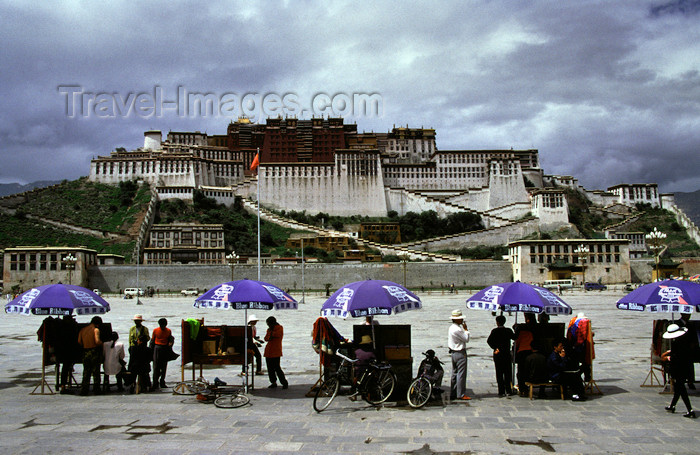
[58, 300]
[667, 296]
[246, 295]
[370, 298]
[519, 297]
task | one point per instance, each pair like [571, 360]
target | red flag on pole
[256, 162]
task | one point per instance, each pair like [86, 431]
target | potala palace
[325, 165]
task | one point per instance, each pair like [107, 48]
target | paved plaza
[627, 418]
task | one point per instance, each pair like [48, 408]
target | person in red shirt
[162, 343]
[273, 353]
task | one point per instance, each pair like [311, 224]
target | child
[432, 368]
[140, 363]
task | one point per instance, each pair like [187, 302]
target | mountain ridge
[8, 189]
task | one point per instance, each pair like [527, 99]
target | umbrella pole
[245, 347]
[512, 361]
[374, 342]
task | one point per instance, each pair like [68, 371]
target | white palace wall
[506, 184]
[475, 199]
[346, 188]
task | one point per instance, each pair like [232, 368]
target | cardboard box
[209, 347]
[397, 352]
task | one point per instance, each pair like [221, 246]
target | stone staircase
[251, 207]
[488, 219]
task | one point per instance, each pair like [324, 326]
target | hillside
[118, 209]
[81, 204]
[677, 240]
[240, 227]
[7, 189]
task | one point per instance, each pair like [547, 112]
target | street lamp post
[655, 239]
[404, 258]
[70, 261]
[232, 259]
[582, 252]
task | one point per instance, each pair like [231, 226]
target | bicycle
[219, 393]
[422, 388]
[375, 385]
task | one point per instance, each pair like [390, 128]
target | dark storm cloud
[607, 91]
[685, 7]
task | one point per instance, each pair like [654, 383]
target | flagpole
[258, 215]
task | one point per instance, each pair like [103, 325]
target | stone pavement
[625, 419]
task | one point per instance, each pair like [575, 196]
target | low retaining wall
[114, 278]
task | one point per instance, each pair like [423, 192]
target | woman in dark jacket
[680, 357]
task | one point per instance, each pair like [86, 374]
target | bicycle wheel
[380, 385]
[189, 387]
[325, 394]
[231, 401]
[419, 392]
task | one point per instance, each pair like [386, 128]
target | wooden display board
[393, 344]
[228, 346]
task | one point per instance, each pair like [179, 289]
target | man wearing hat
[680, 356]
[137, 330]
[457, 339]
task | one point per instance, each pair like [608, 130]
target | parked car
[190, 291]
[97, 291]
[132, 292]
[595, 287]
[629, 287]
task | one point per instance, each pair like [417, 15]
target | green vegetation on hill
[18, 230]
[106, 208]
[240, 227]
[589, 225]
[94, 205]
[677, 240]
[414, 226]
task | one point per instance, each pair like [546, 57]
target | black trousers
[522, 373]
[504, 374]
[571, 382]
[274, 371]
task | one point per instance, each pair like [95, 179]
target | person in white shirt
[114, 361]
[457, 339]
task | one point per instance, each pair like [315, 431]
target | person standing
[273, 353]
[114, 361]
[457, 339]
[140, 357]
[89, 339]
[254, 344]
[67, 350]
[680, 357]
[524, 335]
[136, 331]
[162, 347]
[499, 340]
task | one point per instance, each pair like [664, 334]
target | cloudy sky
[608, 91]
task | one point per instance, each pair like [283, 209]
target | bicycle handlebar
[346, 358]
